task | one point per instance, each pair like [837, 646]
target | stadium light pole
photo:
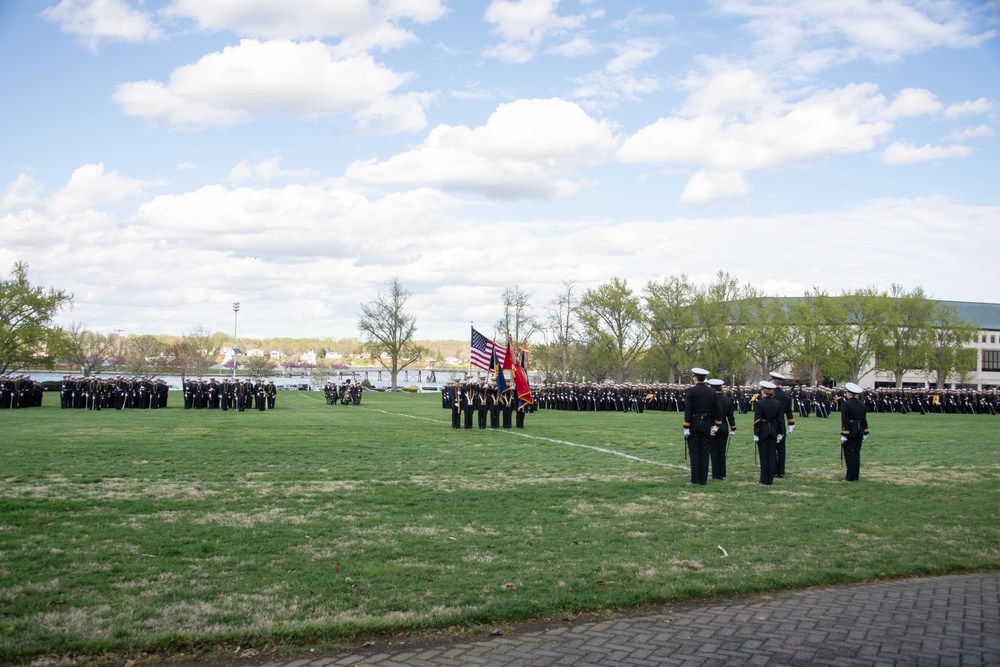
[236, 319]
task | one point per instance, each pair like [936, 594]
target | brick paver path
[952, 620]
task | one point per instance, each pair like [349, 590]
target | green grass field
[174, 531]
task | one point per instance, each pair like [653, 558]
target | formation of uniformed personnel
[593, 397]
[119, 393]
[853, 430]
[239, 395]
[19, 391]
[717, 448]
[702, 420]
[768, 430]
[478, 403]
[350, 392]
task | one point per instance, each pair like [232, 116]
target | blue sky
[164, 159]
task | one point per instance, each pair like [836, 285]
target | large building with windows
[984, 316]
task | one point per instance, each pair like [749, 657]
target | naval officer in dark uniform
[702, 420]
[853, 429]
[768, 430]
[720, 441]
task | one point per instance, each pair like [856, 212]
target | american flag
[482, 348]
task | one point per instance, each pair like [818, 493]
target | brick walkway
[953, 620]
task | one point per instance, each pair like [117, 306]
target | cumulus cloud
[707, 187]
[901, 152]
[96, 21]
[302, 79]
[734, 121]
[363, 24]
[91, 187]
[527, 148]
[523, 24]
[22, 193]
[911, 102]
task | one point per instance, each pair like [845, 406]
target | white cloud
[901, 152]
[94, 21]
[707, 187]
[879, 30]
[301, 79]
[735, 122]
[523, 24]
[265, 171]
[913, 102]
[978, 132]
[618, 79]
[576, 47]
[970, 108]
[363, 23]
[91, 187]
[24, 192]
[527, 148]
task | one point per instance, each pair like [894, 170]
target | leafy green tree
[387, 331]
[673, 336]
[28, 335]
[857, 326]
[948, 355]
[909, 334]
[721, 311]
[811, 340]
[614, 326]
[768, 332]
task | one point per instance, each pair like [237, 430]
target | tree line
[609, 332]
[612, 332]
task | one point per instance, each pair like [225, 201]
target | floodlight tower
[236, 317]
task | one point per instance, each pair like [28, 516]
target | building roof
[984, 315]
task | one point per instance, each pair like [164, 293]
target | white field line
[536, 437]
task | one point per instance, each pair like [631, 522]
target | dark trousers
[852, 459]
[698, 444]
[766, 449]
[717, 453]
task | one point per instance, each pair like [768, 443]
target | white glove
[781, 437]
[714, 430]
[732, 433]
[843, 439]
[687, 432]
[791, 427]
[756, 439]
[864, 437]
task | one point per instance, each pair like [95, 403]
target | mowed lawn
[170, 530]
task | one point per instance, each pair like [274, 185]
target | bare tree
[517, 321]
[193, 354]
[388, 331]
[562, 324]
[90, 350]
[142, 354]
